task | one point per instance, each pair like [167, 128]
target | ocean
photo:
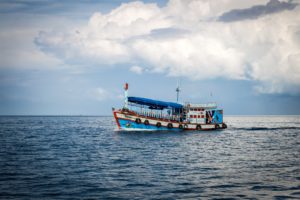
[65, 157]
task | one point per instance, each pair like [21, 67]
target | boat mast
[126, 95]
[177, 91]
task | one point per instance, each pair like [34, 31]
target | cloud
[18, 52]
[136, 69]
[104, 40]
[99, 94]
[17, 49]
[254, 12]
[188, 39]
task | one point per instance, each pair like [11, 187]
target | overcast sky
[72, 58]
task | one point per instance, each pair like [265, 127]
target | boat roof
[202, 105]
[154, 104]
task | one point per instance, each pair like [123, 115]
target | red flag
[126, 86]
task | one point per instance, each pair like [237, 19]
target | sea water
[86, 158]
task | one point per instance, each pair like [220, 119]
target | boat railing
[158, 115]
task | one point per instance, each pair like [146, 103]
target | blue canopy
[154, 104]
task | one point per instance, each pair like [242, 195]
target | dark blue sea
[86, 158]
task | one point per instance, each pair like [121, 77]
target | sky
[73, 57]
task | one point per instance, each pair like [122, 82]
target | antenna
[177, 91]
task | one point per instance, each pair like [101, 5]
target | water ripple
[84, 158]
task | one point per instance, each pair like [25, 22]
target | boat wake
[266, 128]
[231, 128]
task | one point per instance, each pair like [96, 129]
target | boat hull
[132, 121]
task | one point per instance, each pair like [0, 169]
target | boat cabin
[188, 113]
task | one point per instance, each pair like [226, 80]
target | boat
[140, 113]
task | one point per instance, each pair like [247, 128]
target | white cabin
[196, 113]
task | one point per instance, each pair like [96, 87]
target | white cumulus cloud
[136, 69]
[185, 38]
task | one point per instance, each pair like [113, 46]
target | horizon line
[86, 115]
